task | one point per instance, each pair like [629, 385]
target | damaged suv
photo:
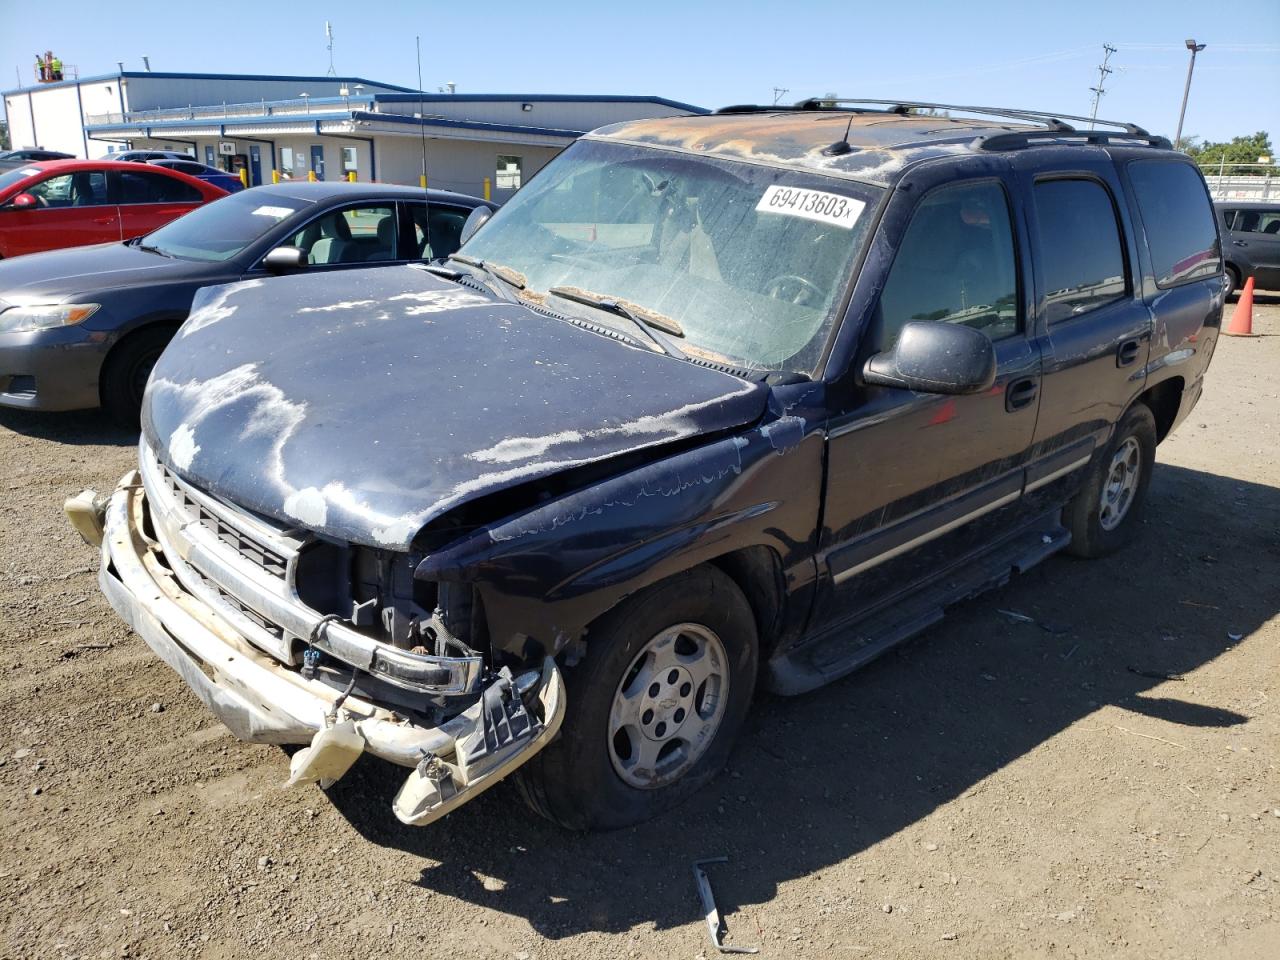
[714, 401]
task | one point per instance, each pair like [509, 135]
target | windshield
[748, 260]
[7, 180]
[220, 230]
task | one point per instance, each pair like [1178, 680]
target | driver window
[955, 264]
[350, 235]
[83, 189]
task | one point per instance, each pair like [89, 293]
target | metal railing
[1242, 181]
[300, 106]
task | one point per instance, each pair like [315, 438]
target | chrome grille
[241, 542]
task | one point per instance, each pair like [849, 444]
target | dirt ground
[1101, 782]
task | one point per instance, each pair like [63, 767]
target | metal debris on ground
[1156, 674]
[715, 923]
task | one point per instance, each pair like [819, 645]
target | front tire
[654, 707]
[1105, 514]
[125, 373]
[1230, 281]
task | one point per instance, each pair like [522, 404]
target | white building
[329, 126]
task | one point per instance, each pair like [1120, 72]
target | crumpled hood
[54, 275]
[363, 404]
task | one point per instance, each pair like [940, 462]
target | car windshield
[7, 180]
[220, 230]
[748, 260]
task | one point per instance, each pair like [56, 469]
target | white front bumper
[262, 700]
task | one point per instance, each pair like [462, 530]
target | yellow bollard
[351, 176]
[275, 176]
[422, 181]
[487, 188]
[244, 177]
[311, 175]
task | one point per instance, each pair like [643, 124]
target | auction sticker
[811, 205]
[278, 213]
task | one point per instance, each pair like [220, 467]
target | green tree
[4, 135]
[1237, 150]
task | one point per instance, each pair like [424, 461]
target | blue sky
[1023, 54]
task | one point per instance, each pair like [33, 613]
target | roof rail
[1054, 121]
[792, 108]
[1021, 139]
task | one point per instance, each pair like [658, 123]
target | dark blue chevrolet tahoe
[713, 403]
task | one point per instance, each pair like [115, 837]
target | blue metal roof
[533, 97]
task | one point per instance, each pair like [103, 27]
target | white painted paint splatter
[183, 447]
[208, 312]
[344, 305]
[307, 505]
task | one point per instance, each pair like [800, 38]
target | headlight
[45, 316]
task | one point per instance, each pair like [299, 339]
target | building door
[255, 165]
[317, 160]
[209, 159]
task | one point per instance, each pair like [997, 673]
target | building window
[508, 174]
[286, 162]
[349, 160]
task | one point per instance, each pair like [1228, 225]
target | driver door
[917, 481]
[72, 211]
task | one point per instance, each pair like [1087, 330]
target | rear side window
[1254, 221]
[144, 187]
[1080, 252]
[955, 264]
[1177, 219]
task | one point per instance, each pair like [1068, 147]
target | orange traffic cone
[1241, 324]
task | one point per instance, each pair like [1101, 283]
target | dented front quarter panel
[546, 574]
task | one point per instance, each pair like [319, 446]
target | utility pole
[1194, 48]
[779, 93]
[1099, 91]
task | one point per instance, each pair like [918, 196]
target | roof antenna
[422, 126]
[841, 146]
[328, 32]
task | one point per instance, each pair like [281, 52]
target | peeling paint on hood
[362, 404]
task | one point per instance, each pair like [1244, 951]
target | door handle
[1239, 243]
[104, 220]
[1127, 353]
[1020, 393]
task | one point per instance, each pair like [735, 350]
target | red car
[70, 203]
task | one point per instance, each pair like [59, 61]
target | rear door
[1257, 232]
[918, 482]
[73, 209]
[1093, 326]
[148, 199]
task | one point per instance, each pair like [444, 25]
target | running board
[849, 646]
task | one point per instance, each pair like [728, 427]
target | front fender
[544, 575]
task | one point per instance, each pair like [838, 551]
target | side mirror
[284, 259]
[475, 220]
[936, 358]
[24, 200]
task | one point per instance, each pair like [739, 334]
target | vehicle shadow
[817, 779]
[75, 427]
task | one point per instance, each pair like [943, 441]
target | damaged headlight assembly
[48, 316]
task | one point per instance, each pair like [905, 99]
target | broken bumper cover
[262, 700]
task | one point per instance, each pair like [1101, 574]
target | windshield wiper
[494, 271]
[153, 249]
[644, 319]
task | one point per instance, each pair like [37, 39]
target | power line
[1099, 91]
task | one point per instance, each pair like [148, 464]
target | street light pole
[1186, 90]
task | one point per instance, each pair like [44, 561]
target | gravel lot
[1099, 783]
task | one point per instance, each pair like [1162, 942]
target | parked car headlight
[45, 316]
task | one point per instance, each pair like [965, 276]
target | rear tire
[1105, 514]
[125, 373]
[627, 753]
[1230, 281]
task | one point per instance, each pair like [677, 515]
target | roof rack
[1055, 122]
[1020, 139]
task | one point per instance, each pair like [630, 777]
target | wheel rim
[668, 706]
[1121, 484]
